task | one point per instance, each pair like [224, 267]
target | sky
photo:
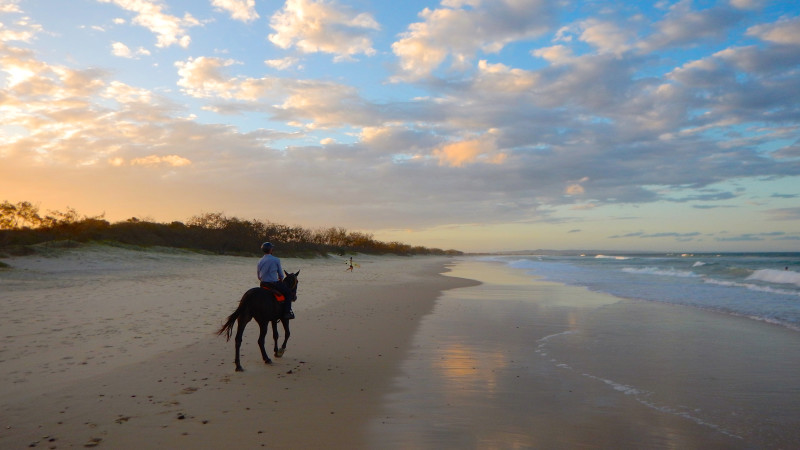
[477, 125]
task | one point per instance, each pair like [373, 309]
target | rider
[270, 273]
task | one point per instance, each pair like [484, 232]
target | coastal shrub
[22, 229]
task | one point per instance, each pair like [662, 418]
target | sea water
[761, 286]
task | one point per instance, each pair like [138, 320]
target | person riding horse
[260, 305]
[270, 274]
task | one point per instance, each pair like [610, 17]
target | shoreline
[546, 365]
[352, 333]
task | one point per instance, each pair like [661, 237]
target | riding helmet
[266, 246]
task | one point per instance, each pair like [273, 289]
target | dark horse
[260, 304]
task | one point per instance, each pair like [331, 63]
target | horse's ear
[298, 273]
[287, 273]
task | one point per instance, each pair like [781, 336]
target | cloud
[10, 6]
[670, 234]
[712, 206]
[683, 26]
[75, 119]
[784, 214]
[122, 50]
[557, 54]
[22, 29]
[747, 237]
[325, 105]
[319, 26]
[460, 29]
[574, 189]
[789, 151]
[244, 10]
[307, 103]
[155, 160]
[641, 235]
[458, 154]
[282, 63]
[204, 77]
[747, 4]
[499, 78]
[170, 30]
[604, 35]
[785, 31]
[628, 235]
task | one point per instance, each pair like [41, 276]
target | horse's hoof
[239, 369]
[268, 361]
[279, 353]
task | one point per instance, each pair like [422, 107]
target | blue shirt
[269, 269]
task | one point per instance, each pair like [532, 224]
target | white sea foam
[752, 287]
[698, 264]
[621, 258]
[627, 390]
[660, 271]
[776, 276]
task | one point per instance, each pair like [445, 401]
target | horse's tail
[228, 327]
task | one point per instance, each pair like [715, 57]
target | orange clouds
[155, 160]
[575, 189]
[458, 154]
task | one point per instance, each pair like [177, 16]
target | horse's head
[291, 280]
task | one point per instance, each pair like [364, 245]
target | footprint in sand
[93, 442]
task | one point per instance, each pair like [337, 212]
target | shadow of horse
[260, 304]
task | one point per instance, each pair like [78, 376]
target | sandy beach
[117, 348]
[113, 348]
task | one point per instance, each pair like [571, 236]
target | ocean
[760, 286]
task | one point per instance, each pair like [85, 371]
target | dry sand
[116, 348]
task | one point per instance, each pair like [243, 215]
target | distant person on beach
[350, 269]
[270, 274]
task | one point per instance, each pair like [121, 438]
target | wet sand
[519, 363]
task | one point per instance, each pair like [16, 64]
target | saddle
[278, 296]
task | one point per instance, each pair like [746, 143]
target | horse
[260, 304]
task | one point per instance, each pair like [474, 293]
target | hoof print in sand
[93, 442]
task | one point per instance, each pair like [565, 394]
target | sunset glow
[476, 125]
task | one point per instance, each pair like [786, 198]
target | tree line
[23, 227]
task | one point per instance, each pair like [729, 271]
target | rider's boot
[287, 308]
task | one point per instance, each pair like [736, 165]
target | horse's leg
[262, 334]
[286, 334]
[275, 337]
[240, 324]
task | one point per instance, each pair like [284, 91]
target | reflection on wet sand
[514, 363]
[464, 370]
